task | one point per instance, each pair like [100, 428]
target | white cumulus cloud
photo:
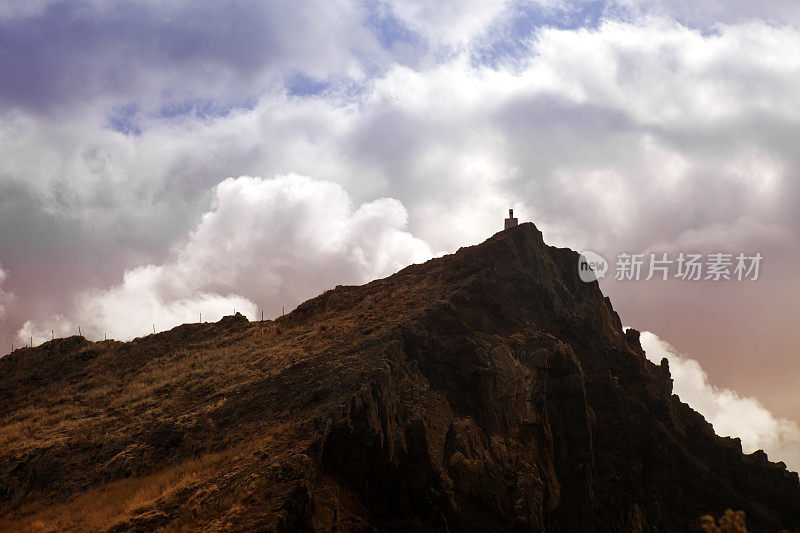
[265, 244]
[448, 22]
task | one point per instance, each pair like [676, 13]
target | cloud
[448, 22]
[266, 244]
[5, 297]
[583, 133]
[588, 117]
[731, 414]
[710, 12]
[66, 54]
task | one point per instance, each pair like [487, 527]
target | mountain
[487, 390]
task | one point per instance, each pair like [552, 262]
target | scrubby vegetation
[730, 522]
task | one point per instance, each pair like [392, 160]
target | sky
[162, 159]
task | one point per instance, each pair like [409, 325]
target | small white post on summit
[510, 221]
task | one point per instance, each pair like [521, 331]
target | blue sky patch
[125, 119]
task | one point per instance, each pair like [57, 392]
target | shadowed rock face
[486, 390]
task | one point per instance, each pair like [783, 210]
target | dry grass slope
[473, 390]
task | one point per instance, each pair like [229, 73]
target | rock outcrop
[487, 390]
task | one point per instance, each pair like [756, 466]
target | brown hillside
[486, 390]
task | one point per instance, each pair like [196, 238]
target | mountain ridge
[489, 389]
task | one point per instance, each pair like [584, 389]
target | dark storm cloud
[75, 51]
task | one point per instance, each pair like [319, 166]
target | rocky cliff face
[486, 390]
